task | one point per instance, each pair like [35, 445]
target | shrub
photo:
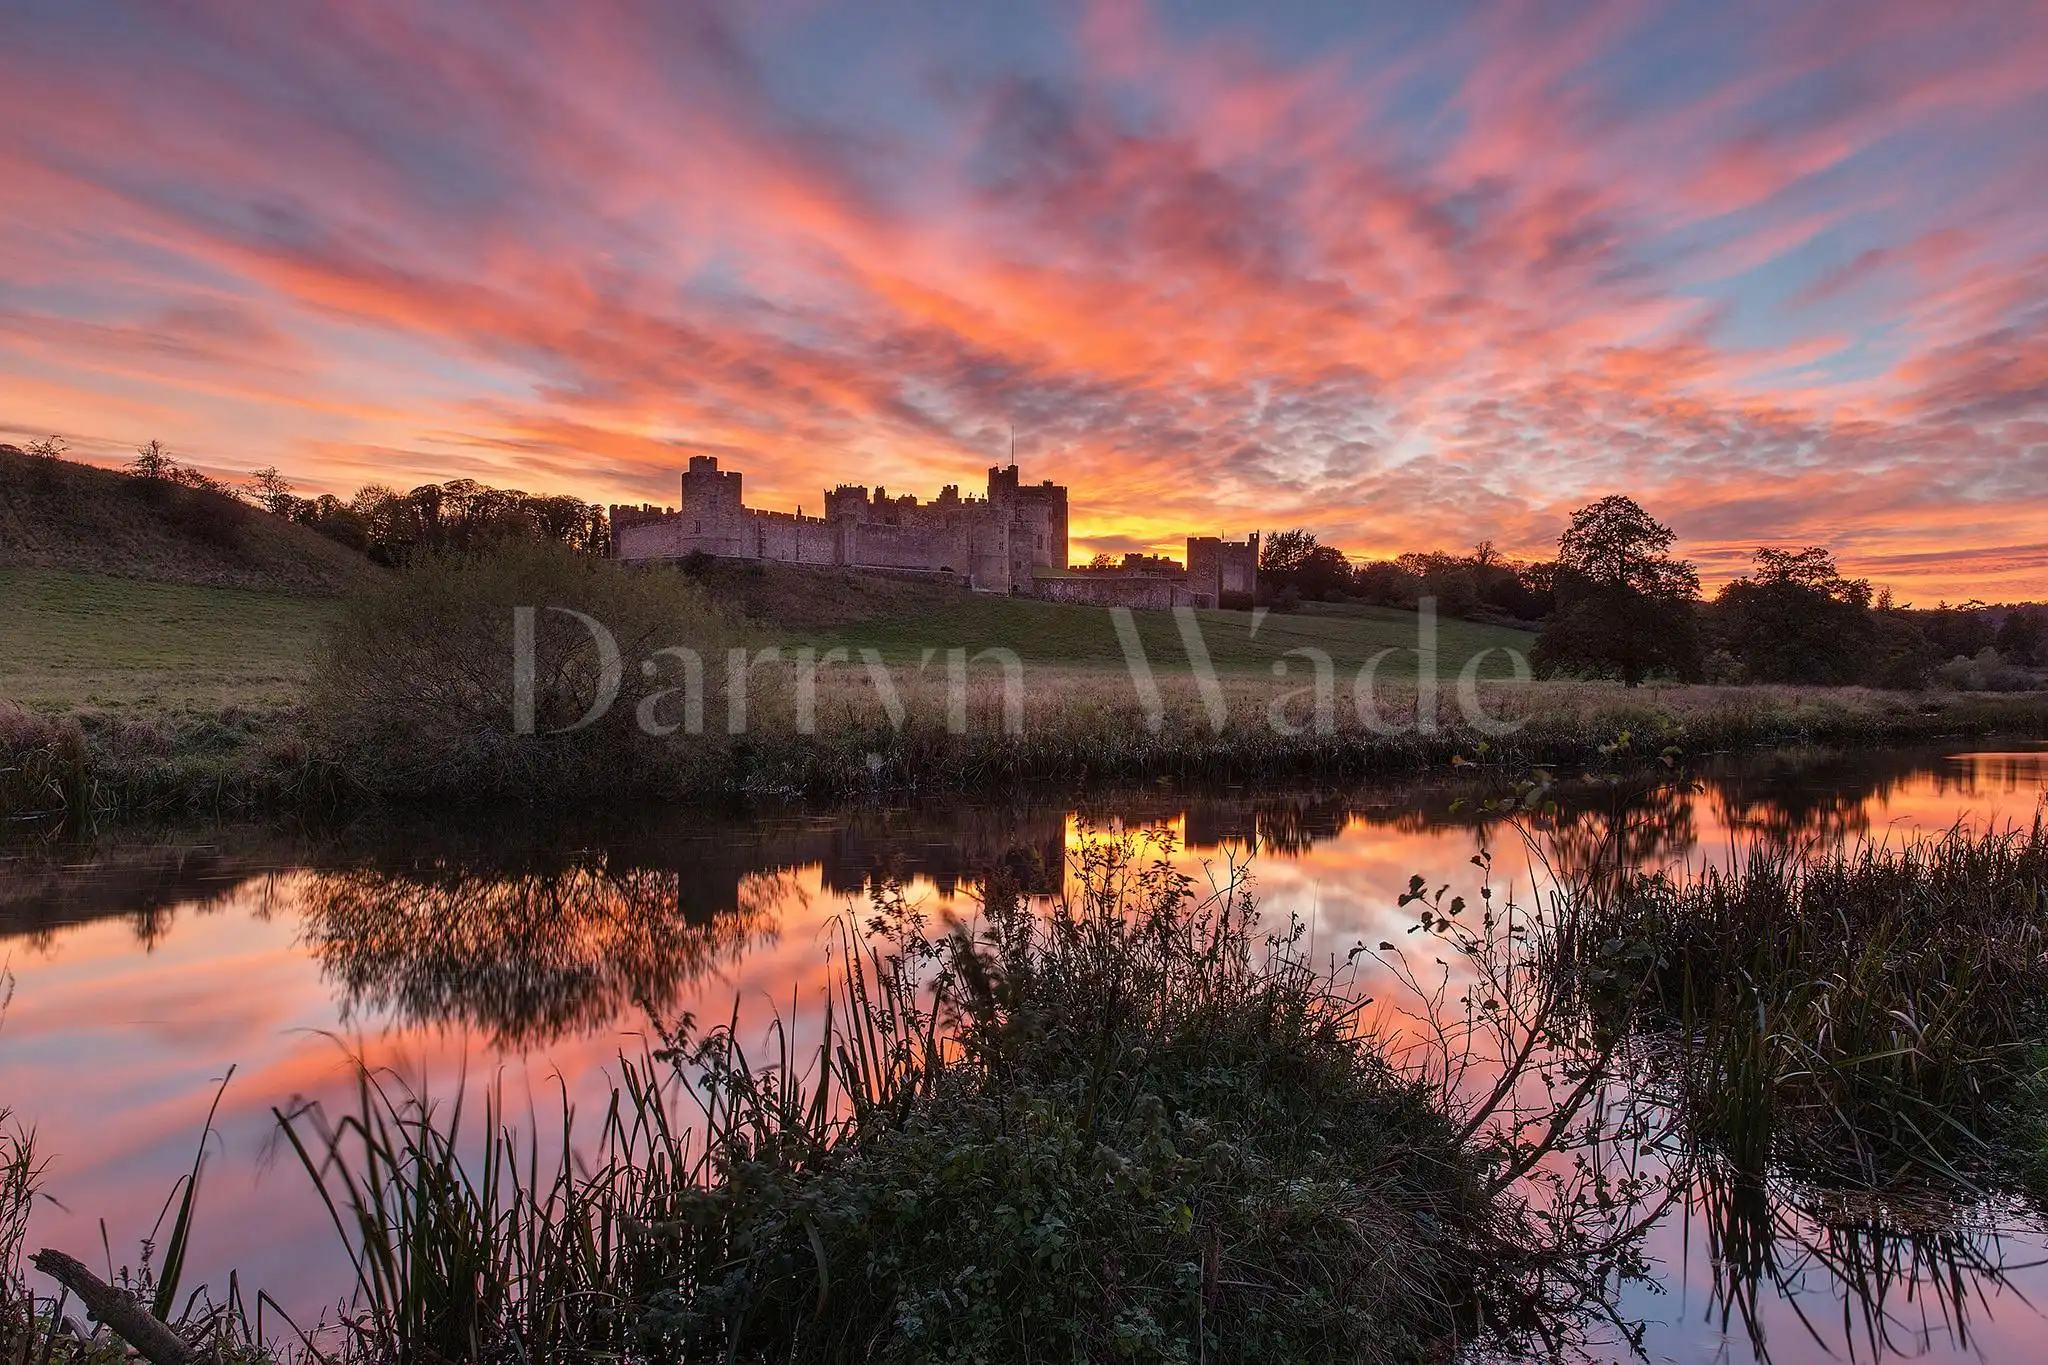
[1985, 671]
[416, 693]
[1123, 1126]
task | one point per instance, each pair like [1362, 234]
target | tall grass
[1129, 1124]
[1864, 1014]
[46, 770]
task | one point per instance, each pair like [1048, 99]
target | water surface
[527, 955]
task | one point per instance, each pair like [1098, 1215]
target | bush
[1986, 671]
[1123, 1126]
[416, 694]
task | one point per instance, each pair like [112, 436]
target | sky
[1411, 276]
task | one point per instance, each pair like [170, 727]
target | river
[526, 954]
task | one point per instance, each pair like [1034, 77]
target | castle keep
[1014, 540]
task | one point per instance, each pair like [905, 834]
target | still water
[528, 956]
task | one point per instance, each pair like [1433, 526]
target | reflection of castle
[1014, 540]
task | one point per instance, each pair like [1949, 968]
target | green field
[71, 639]
[75, 639]
[1049, 634]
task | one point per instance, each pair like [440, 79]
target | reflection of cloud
[1418, 287]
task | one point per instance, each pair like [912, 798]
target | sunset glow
[1779, 272]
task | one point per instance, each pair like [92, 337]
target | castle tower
[708, 491]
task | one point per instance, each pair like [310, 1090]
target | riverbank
[533, 954]
[447, 684]
[1139, 1128]
[196, 762]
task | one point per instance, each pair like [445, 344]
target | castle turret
[708, 491]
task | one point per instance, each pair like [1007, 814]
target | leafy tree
[1295, 560]
[2023, 635]
[1281, 553]
[1796, 619]
[1387, 583]
[272, 491]
[1625, 606]
[1957, 632]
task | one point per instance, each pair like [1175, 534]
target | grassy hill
[902, 618]
[72, 639]
[61, 515]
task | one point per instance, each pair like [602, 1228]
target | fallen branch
[126, 1318]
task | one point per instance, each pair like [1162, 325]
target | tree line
[461, 514]
[1617, 603]
[389, 526]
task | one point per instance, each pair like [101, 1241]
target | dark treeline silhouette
[1617, 603]
[388, 526]
[1295, 567]
[462, 514]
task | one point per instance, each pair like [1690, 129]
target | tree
[1625, 607]
[46, 454]
[1281, 553]
[2023, 636]
[1294, 559]
[1387, 583]
[1796, 619]
[153, 462]
[272, 491]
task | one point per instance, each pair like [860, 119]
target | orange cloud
[1411, 286]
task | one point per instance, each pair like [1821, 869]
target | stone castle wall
[1146, 592]
[1014, 540]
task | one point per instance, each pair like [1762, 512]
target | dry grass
[62, 515]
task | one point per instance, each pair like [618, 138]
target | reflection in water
[494, 943]
[1862, 1274]
[529, 958]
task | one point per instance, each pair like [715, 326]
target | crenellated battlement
[1013, 540]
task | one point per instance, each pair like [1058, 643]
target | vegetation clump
[473, 674]
[1862, 1015]
[1122, 1126]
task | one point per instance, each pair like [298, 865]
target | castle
[1013, 541]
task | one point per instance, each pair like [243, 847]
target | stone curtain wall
[1012, 541]
[996, 542]
[1140, 592]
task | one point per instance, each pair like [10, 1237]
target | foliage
[2023, 635]
[416, 692]
[1856, 1015]
[457, 517]
[1295, 560]
[1124, 1126]
[1796, 619]
[1987, 671]
[1625, 608]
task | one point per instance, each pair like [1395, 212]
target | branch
[126, 1318]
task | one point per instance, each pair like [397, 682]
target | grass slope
[89, 640]
[838, 608]
[62, 515]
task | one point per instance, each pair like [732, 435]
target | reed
[1128, 1124]
[1859, 1015]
